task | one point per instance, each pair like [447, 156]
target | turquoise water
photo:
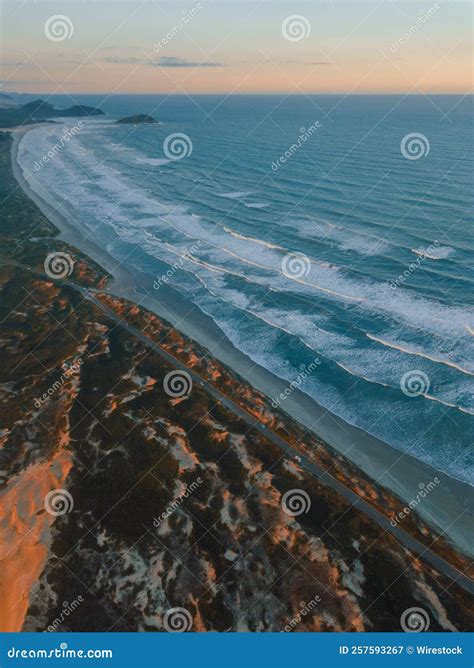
[382, 296]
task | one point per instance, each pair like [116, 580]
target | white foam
[256, 205]
[156, 162]
[234, 195]
[343, 237]
[434, 253]
[417, 350]
[366, 363]
[226, 251]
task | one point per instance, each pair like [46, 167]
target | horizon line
[234, 94]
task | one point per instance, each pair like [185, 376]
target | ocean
[326, 237]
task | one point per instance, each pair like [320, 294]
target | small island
[138, 119]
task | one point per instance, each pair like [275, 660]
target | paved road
[405, 539]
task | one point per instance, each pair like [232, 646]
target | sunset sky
[223, 46]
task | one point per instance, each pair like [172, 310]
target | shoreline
[388, 467]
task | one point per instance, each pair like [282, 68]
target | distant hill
[39, 110]
[6, 101]
[42, 109]
[137, 119]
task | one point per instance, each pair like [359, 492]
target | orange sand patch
[24, 534]
[198, 624]
[193, 360]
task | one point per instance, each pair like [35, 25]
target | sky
[236, 46]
